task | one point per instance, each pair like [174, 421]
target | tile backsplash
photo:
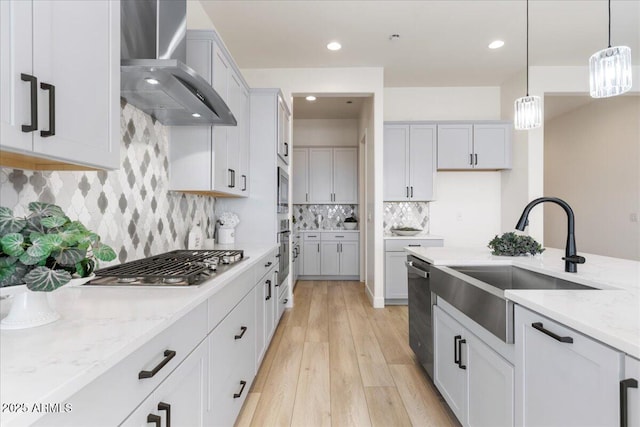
[130, 208]
[331, 216]
[406, 214]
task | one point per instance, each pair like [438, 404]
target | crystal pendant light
[528, 109]
[610, 69]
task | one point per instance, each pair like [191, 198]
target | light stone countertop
[328, 230]
[416, 237]
[610, 314]
[98, 329]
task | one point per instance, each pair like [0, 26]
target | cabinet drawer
[120, 390]
[312, 237]
[232, 361]
[220, 304]
[266, 264]
[282, 303]
[331, 236]
[398, 245]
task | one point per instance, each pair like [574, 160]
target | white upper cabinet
[60, 83]
[409, 162]
[325, 175]
[284, 143]
[474, 146]
[300, 176]
[213, 159]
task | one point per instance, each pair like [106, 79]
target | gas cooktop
[175, 268]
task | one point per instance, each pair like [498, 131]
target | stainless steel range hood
[154, 76]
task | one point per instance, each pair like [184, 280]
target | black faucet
[571, 258]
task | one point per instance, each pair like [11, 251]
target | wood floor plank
[348, 401]
[386, 407]
[248, 409]
[420, 398]
[312, 403]
[392, 342]
[318, 327]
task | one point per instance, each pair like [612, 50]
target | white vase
[28, 310]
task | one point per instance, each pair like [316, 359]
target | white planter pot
[28, 310]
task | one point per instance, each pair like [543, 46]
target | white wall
[197, 18]
[467, 209]
[356, 81]
[592, 160]
[342, 132]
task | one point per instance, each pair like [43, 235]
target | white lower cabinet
[328, 253]
[476, 382]
[181, 400]
[630, 393]
[232, 351]
[311, 258]
[265, 303]
[329, 258]
[564, 378]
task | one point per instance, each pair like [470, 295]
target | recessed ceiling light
[310, 98]
[496, 44]
[334, 46]
[196, 115]
[151, 81]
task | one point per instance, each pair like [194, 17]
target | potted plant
[511, 244]
[350, 223]
[44, 251]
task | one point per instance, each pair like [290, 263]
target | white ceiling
[327, 107]
[442, 43]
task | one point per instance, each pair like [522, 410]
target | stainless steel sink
[478, 291]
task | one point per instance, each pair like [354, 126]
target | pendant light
[610, 69]
[528, 109]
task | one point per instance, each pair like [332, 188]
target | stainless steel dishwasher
[421, 300]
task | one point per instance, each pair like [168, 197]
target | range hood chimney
[154, 76]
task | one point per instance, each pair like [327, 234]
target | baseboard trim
[349, 278]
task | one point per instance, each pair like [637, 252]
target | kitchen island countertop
[610, 314]
[99, 327]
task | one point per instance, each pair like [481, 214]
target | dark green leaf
[12, 244]
[45, 209]
[34, 225]
[41, 246]
[104, 252]
[6, 261]
[44, 279]
[12, 275]
[9, 223]
[69, 256]
[85, 267]
[27, 259]
[54, 221]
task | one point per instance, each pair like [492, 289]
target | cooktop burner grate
[179, 265]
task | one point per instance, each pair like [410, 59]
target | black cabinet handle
[318, 247]
[277, 255]
[415, 246]
[538, 326]
[267, 265]
[286, 300]
[476, 156]
[412, 191]
[33, 82]
[238, 394]
[624, 408]
[166, 407]
[168, 355]
[243, 329]
[268, 283]
[471, 159]
[244, 182]
[456, 356]
[230, 185]
[155, 419]
[52, 110]
[407, 191]
[286, 149]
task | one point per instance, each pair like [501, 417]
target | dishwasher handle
[413, 269]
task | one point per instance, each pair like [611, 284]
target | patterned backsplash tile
[131, 208]
[313, 217]
[406, 214]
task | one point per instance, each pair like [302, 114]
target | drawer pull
[166, 407]
[624, 409]
[243, 329]
[286, 300]
[238, 394]
[168, 355]
[415, 246]
[342, 237]
[268, 283]
[155, 419]
[457, 351]
[538, 326]
[267, 265]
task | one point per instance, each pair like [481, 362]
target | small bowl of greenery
[512, 244]
[405, 231]
[350, 223]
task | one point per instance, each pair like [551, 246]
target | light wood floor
[336, 361]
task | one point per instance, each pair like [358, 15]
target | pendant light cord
[609, 23]
[528, 45]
